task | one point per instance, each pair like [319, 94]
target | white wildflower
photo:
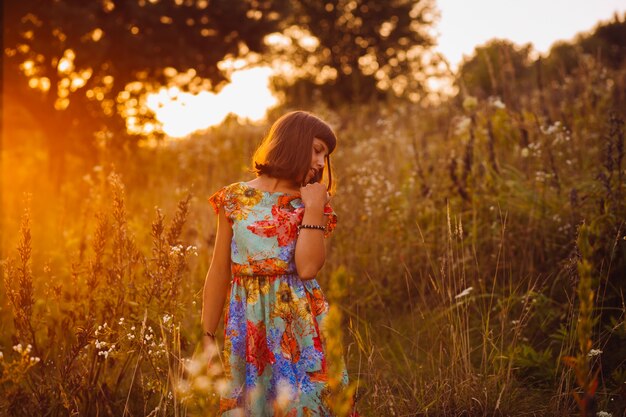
[497, 103]
[461, 127]
[121, 321]
[464, 293]
[100, 345]
[18, 348]
[594, 352]
[604, 414]
[551, 129]
[176, 250]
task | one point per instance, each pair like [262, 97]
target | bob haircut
[285, 152]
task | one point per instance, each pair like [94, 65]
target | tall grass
[453, 274]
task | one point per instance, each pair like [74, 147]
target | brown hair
[285, 152]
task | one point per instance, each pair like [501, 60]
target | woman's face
[319, 152]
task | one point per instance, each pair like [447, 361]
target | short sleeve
[332, 220]
[220, 199]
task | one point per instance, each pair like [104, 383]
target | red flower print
[316, 301]
[289, 344]
[257, 352]
[284, 225]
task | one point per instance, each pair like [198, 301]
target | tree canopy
[71, 62]
[80, 67]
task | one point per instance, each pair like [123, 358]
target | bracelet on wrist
[311, 226]
[208, 333]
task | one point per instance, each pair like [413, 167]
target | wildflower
[18, 348]
[497, 103]
[176, 250]
[34, 359]
[130, 336]
[461, 127]
[166, 318]
[121, 321]
[464, 293]
[104, 353]
[594, 352]
[100, 345]
[551, 129]
[604, 414]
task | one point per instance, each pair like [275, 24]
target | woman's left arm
[310, 250]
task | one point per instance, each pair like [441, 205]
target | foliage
[79, 66]
[365, 49]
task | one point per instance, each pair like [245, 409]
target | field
[478, 266]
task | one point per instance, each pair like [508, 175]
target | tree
[71, 62]
[498, 68]
[362, 48]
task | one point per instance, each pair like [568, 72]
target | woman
[268, 250]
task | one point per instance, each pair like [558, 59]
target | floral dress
[273, 347]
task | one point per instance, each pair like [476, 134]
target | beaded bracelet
[311, 226]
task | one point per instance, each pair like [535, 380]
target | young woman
[268, 250]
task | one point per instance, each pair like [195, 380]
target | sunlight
[247, 96]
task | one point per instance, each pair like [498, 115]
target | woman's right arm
[218, 277]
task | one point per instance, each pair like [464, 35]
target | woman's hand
[210, 349]
[314, 195]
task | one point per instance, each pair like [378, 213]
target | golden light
[96, 35]
[66, 64]
[247, 96]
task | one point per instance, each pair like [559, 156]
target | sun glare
[247, 96]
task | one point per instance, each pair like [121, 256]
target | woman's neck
[271, 184]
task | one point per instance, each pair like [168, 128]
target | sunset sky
[465, 24]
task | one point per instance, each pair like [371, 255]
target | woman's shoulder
[235, 186]
[226, 194]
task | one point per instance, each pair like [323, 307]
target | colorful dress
[273, 346]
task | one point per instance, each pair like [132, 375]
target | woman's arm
[218, 277]
[310, 250]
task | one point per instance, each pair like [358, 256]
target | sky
[464, 24]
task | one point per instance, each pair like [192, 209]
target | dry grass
[453, 269]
